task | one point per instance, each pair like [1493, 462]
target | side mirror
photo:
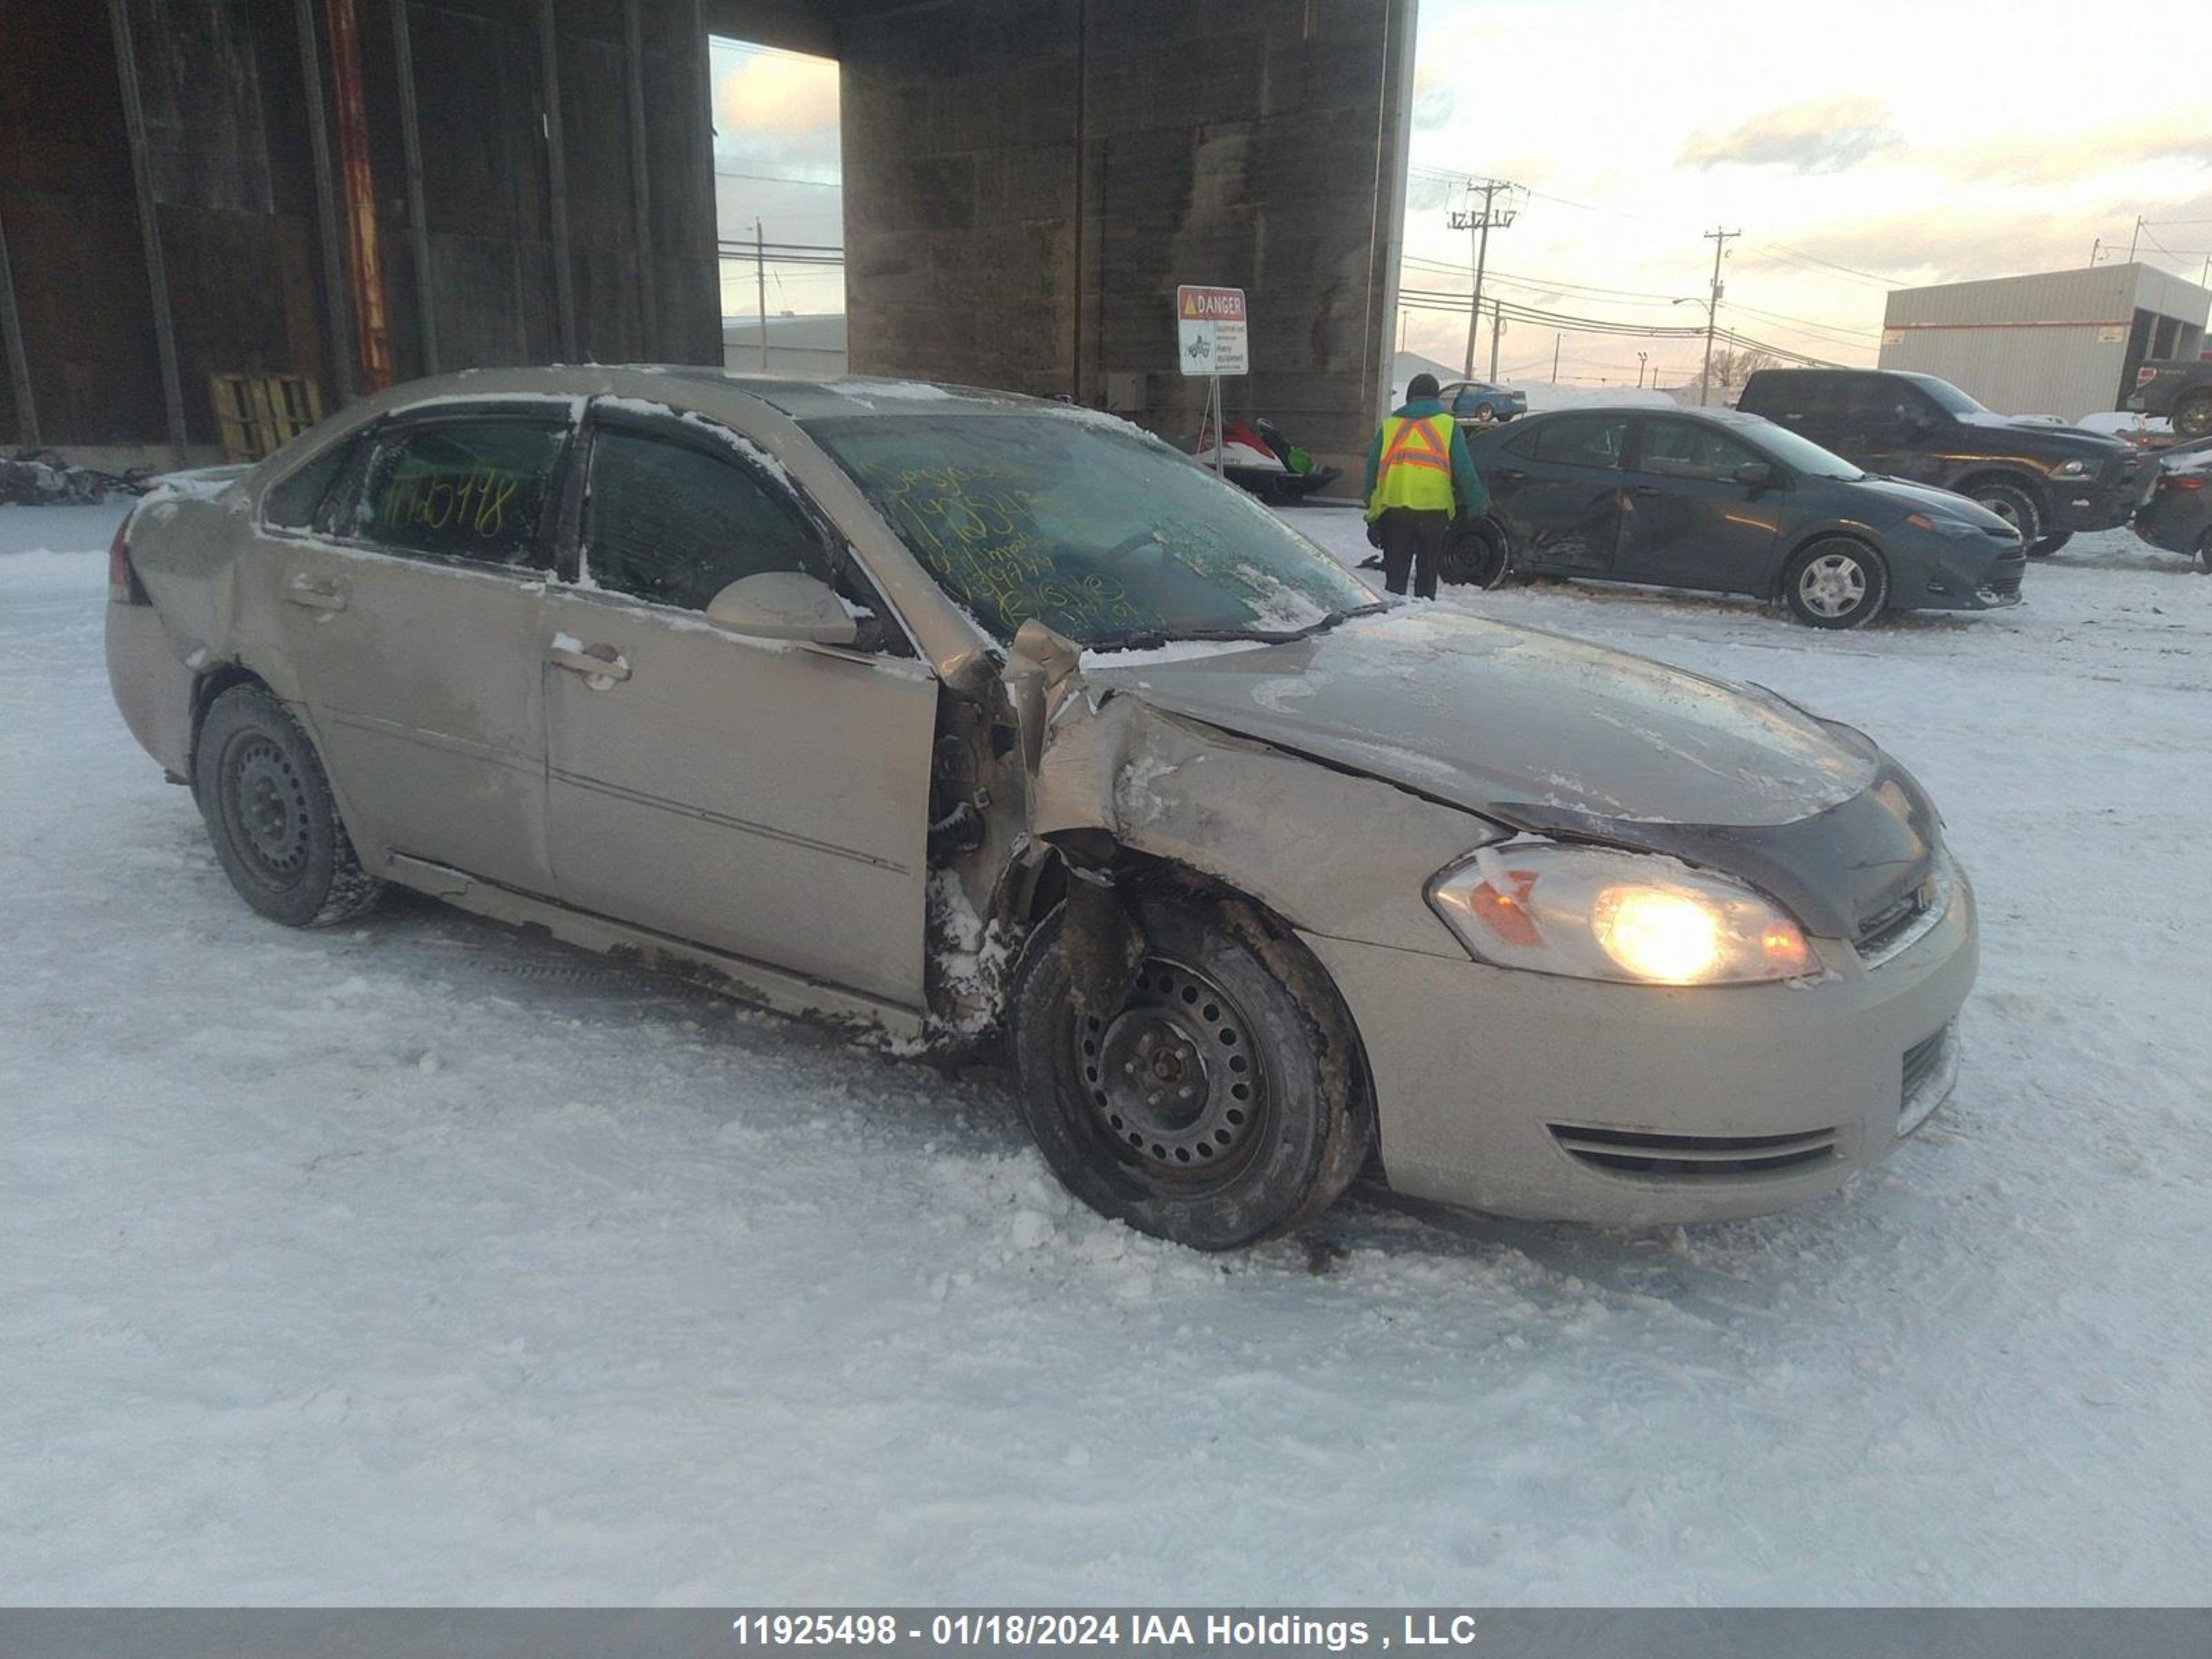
[1755, 474]
[783, 605]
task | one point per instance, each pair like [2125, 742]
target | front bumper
[1953, 575]
[1569, 1100]
[2106, 503]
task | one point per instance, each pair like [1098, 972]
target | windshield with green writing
[1104, 535]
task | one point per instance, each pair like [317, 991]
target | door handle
[593, 662]
[314, 595]
[1646, 489]
[1514, 473]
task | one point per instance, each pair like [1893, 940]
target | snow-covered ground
[416, 1263]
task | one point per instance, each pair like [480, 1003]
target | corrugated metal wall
[2064, 342]
[229, 150]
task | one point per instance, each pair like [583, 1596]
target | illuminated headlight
[1594, 913]
[1941, 527]
[2073, 469]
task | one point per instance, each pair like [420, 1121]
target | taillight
[2185, 480]
[2144, 376]
[123, 586]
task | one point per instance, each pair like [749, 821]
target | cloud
[777, 105]
[2042, 158]
[1827, 136]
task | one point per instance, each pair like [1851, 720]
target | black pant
[1413, 540]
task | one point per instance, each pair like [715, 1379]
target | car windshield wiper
[1152, 638]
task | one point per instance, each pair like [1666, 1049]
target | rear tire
[1475, 556]
[271, 816]
[2192, 417]
[1220, 1105]
[2016, 506]
[1835, 582]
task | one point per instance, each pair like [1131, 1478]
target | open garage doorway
[779, 208]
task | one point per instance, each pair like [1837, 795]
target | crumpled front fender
[1329, 851]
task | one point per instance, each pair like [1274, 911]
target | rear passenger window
[674, 525]
[1579, 440]
[473, 490]
[293, 500]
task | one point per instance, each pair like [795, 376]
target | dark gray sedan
[1723, 502]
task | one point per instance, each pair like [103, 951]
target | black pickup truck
[2047, 480]
[2179, 388]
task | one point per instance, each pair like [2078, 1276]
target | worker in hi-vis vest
[1420, 476]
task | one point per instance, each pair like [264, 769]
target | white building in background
[808, 348]
[2065, 343]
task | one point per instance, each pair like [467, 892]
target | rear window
[1574, 439]
[1808, 394]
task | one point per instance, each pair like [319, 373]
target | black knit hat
[1421, 386]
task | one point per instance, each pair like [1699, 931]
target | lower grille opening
[1703, 1157]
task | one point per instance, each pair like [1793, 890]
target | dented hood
[1547, 734]
[1483, 715]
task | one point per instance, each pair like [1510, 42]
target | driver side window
[673, 525]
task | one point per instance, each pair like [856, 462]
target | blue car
[1470, 401]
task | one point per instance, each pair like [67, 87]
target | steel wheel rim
[266, 801]
[1173, 1081]
[1833, 584]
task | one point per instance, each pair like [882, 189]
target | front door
[766, 799]
[409, 610]
[1556, 487]
[1686, 522]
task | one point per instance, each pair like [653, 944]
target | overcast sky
[1908, 143]
[1887, 142]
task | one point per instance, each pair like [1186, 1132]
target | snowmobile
[1257, 457]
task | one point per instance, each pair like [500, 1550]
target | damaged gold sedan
[994, 725]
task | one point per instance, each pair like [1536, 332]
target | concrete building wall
[1027, 181]
[2062, 342]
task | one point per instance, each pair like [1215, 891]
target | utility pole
[1641, 358]
[1720, 240]
[760, 281]
[1480, 225]
[1556, 338]
[2096, 250]
[1496, 328]
[2132, 234]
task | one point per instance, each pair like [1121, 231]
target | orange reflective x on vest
[1416, 469]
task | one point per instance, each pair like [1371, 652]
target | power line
[780, 179]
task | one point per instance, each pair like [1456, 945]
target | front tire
[271, 816]
[2017, 508]
[1835, 582]
[1221, 1104]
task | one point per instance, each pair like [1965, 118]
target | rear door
[767, 799]
[1896, 429]
[1685, 521]
[1556, 487]
[409, 613]
[1813, 404]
